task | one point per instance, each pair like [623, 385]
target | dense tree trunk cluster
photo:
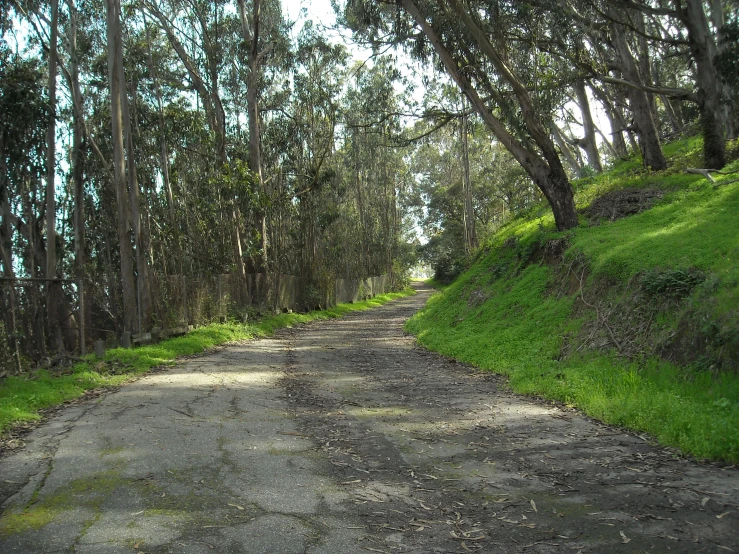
[213, 144]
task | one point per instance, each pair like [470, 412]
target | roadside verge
[25, 398]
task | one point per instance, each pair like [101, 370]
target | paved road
[342, 437]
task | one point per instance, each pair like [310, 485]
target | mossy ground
[22, 398]
[85, 493]
[516, 312]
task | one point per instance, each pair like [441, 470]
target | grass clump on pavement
[634, 320]
[23, 397]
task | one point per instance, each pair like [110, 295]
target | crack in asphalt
[344, 436]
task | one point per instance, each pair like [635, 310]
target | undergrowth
[22, 398]
[519, 313]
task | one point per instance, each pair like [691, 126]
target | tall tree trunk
[78, 173]
[671, 115]
[641, 108]
[142, 263]
[565, 148]
[6, 257]
[470, 231]
[251, 35]
[590, 143]
[548, 174]
[364, 238]
[115, 45]
[645, 59]
[164, 154]
[718, 19]
[53, 288]
[703, 50]
[619, 106]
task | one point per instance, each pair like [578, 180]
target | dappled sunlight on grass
[695, 228]
[501, 315]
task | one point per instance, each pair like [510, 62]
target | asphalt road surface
[344, 436]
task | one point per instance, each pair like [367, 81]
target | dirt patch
[622, 203]
[554, 250]
[477, 298]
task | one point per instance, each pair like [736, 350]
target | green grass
[691, 227]
[22, 398]
[502, 315]
[435, 283]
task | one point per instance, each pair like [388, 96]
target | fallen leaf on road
[236, 506]
[466, 537]
[533, 505]
[720, 516]
[704, 501]
[626, 540]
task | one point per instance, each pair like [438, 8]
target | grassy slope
[22, 398]
[502, 315]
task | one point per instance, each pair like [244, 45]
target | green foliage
[502, 315]
[22, 398]
[671, 282]
[727, 61]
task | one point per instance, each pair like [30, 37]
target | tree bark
[164, 154]
[53, 288]
[590, 143]
[251, 36]
[565, 148]
[142, 264]
[78, 172]
[115, 45]
[6, 256]
[718, 18]
[703, 50]
[641, 108]
[470, 231]
[548, 175]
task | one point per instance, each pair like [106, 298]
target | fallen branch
[707, 172]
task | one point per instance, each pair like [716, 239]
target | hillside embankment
[633, 317]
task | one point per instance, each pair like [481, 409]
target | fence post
[184, 297]
[81, 299]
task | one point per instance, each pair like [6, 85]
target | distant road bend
[341, 437]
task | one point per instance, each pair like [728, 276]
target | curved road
[343, 436]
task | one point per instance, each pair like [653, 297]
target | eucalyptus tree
[23, 142]
[266, 50]
[373, 164]
[53, 288]
[498, 188]
[677, 29]
[116, 81]
[314, 113]
[500, 80]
